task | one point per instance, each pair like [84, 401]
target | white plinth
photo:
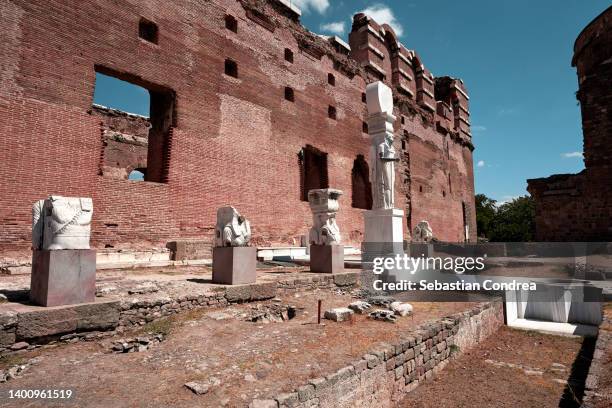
[384, 234]
[384, 225]
[559, 303]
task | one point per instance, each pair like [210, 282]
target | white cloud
[478, 128]
[306, 5]
[507, 111]
[382, 14]
[480, 163]
[571, 155]
[507, 199]
[336, 27]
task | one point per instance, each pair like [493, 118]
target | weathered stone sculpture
[382, 153]
[63, 265]
[384, 223]
[61, 223]
[422, 232]
[234, 262]
[324, 205]
[326, 253]
[232, 228]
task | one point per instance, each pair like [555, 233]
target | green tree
[514, 221]
[486, 209]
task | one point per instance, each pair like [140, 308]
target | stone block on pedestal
[63, 277]
[327, 258]
[234, 265]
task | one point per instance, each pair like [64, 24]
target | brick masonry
[578, 207]
[598, 388]
[388, 372]
[227, 140]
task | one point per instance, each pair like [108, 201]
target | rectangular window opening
[231, 68]
[331, 79]
[147, 30]
[289, 95]
[288, 55]
[331, 112]
[231, 23]
[137, 118]
[313, 170]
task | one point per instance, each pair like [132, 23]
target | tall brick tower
[593, 62]
[578, 207]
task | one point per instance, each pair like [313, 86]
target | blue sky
[514, 57]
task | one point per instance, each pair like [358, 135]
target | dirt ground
[512, 368]
[239, 360]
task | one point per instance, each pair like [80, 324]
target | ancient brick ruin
[247, 108]
[578, 207]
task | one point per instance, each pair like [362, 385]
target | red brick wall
[235, 142]
[578, 207]
[435, 148]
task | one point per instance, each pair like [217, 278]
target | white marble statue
[383, 173]
[422, 232]
[232, 229]
[61, 223]
[382, 153]
[324, 205]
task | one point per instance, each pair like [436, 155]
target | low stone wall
[30, 327]
[598, 390]
[388, 372]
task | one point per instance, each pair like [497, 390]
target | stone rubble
[137, 344]
[384, 301]
[360, 306]
[145, 288]
[19, 346]
[401, 308]
[197, 388]
[339, 314]
[17, 370]
[272, 313]
[384, 315]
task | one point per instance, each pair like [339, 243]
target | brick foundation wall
[385, 375]
[233, 140]
[578, 207]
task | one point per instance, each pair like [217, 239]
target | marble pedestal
[383, 232]
[559, 303]
[234, 265]
[63, 277]
[327, 258]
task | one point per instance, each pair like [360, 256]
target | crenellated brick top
[375, 53]
[377, 48]
[597, 30]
